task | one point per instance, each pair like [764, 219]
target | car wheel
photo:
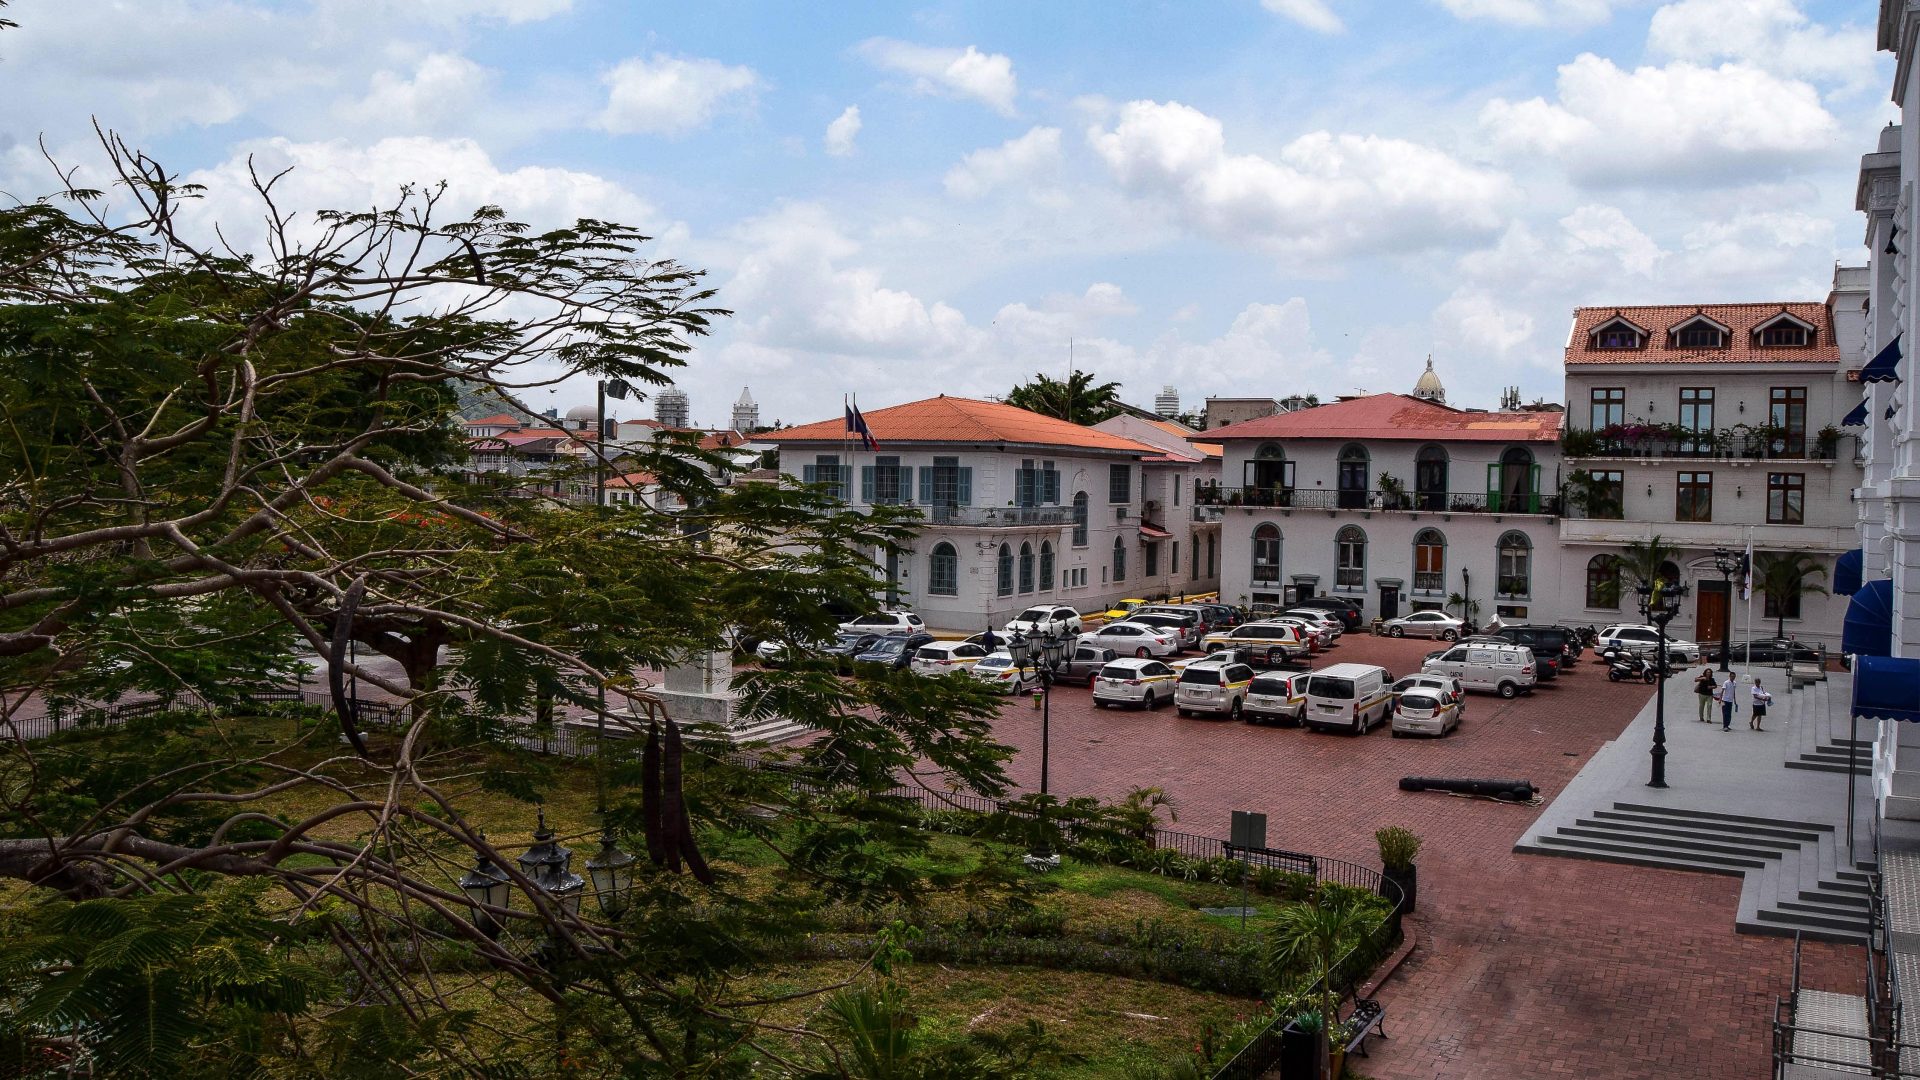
[1142, 652]
[1509, 690]
[1184, 713]
[1398, 734]
[1449, 635]
[1234, 713]
[1396, 631]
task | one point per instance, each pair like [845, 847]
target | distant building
[1221, 411]
[672, 409]
[746, 412]
[1428, 387]
[1167, 402]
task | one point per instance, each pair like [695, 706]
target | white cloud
[1607, 229]
[508, 11]
[1324, 194]
[1771, 34]
[1106, 298]
[1482, 323]
[1657, 125]
[1532, 12]
[966, 73]
[1015, 160]
[842, 131]
[671, 95]
[440, 93]
[1312, 14]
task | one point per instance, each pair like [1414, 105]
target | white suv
[1041, 621]
[1145, 682]
[1213, 686]
[886, 622]
[1641, 638]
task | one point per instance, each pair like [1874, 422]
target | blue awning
[1846, 573]
[1868, 629]
[1882, 367]
[1856, 418]
[1886, 688]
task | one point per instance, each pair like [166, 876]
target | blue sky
[1235, 197]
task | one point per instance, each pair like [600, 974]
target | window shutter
[1052, 493]
[1493, 485]
[966, 486]
[809, 474]
[926, 485]
[866, 483]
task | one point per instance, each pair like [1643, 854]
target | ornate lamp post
[549, 864]
[1052, 651]
[1728, 564]
[1659, 603]
[487, 885]
[612, 874]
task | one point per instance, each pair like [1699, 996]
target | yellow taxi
[1123, 609]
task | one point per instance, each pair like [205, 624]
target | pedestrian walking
[1703, 686]
[1761, 699]
[990, 640]
[1729, 699]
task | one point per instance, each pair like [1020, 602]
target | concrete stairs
[1820, 744]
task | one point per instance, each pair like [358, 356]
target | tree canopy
[1077, 399]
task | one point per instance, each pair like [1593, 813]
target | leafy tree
[1783, 576]
[219, 466]
[1640, 562]
[1077, 399]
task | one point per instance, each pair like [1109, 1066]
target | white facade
[746, 412]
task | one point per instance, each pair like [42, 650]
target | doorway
[1389, 601]
[1710, 612]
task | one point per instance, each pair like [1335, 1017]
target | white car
[886, 622]
[1213, 686]
[1644, 639]
[998, 672]
[1318, 637]
[1445, 684]
[1282, 641]
[947, 657]
[1425, 710]
[1143, 682]
[1317, 617]
[1040, 621]
[1134, 639]
[771, 652]
[1430, 624]
[1276, 696]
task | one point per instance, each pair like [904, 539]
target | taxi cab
[1280, 642]
[1425, 711]
[1123, 609]
[947, 657]
[1275, 697]
[1213, 686]
[1145, 682]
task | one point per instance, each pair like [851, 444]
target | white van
[1506, 670]
[1348, 697]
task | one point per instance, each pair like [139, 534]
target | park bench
[1366, 1019]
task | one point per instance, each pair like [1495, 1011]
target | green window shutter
[809, 474]
[966, 486]
[866, 484]
[926, 485]
[1493, 486]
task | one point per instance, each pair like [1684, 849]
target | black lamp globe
[612, 874]
[1053, 649]
[486, 884]
[547, 862]
[1019, 648]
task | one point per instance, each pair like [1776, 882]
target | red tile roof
[1744, 319]
[496, 420]
[1398, 417]
[946, 419]
[723, 439]
[632, 479]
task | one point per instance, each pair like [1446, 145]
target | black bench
[1366, 1019]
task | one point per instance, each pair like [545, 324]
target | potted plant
[1827, 441]
[1398, 848]
[1303, 1047]
[1392, 492]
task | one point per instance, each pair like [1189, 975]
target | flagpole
[1746, 586]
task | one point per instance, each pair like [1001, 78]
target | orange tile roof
[1397, 417]
[1743, 319]
[633, 479]
[946, 419]
[723, 439]
[496, 420]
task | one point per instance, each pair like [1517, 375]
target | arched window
[1119, 559]
[1515, 577]
[1517, 493]
[1026, 568]
[1670, 573]
[1266, 554]
[1046, 566]
[1269, 470]
[1353, 476]
[1429, 561]
[1603, 582]
[1004, 572]
[943, 570]
[1350, 558]
[1079, 519]
[1430, 478]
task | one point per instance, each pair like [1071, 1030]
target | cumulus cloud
[1608, 229]
[1771, 34]
[1532, 12]
[842, 131]
[1013, 161]
[1659, 125]
[439, 93]
[963, 73]
[1312, 14]
[1323, 194]
[1482, 322]
[671, 95]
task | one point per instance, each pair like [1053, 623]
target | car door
[1481, 669]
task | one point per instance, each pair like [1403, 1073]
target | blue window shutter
[809, 474]
[1052, 493]
[866, 483]
[926, 485]
[966, 486]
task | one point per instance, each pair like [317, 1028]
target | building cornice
[1899, 26]
[893, 445]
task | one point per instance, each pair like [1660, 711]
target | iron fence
[1419, 502]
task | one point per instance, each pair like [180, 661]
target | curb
[1409, 938]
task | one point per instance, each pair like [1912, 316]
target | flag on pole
[1746, 571]
[857, 425]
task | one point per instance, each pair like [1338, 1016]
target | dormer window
[1783, 331]
[1618, 333]
[1700, 332]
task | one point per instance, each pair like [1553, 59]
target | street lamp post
[1727, 563]
[487, 885]
[1051, 653]
[1659, 603]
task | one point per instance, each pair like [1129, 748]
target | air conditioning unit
[1122, 513]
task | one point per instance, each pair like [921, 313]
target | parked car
[1143, 682]
[1433, 624]
[1283, 642]
[1133, 639]
[1239, 654]
[1545, 668]
[1043, 620]
[1348, 610]
[893, 650]
[1424, 711]
[1184, 626]
[886, 622]
[1124, 608]
[1317, 636]
[1213, 686]
[1202, 622]
[1276, 697]
[1323, 618]
[771, 652]
[1221, 616]
[1550, 644]
[1770, 651]
[939, 658]
[1641, 638]
[1445, 684]
[1083, 664]
[1574, 647]
[1350, 697]
[999, 672]
[1507, 670]
[847, 644]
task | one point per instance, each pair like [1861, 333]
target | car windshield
[1264, 685]
[1202, 677]
[1323, 686]
[889, 646]
[1419, 701]
[1035, 614]
[851, 639]
[996, 662]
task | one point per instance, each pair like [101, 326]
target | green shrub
[1398, 847]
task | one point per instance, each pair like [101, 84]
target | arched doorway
[1515, 485]
[1354, 474]
[1430, 478]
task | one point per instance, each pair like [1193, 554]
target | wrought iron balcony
[996, 517]
[1420, 502]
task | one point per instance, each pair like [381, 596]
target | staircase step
[1632, 827]
[1709, 815]
[1805, 834]
[1856, 912]
[1679, 843]
[1642, 855]
[1802, 919]
[1824, 765]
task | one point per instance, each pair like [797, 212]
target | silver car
[1084, 663]
[1134, 639]
[1427, 624]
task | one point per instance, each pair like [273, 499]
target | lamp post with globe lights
[487, 885]
[611, 871]
[1728, 563]
[1659, 603]
[1051, 653]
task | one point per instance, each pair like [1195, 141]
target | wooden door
[1710, 613]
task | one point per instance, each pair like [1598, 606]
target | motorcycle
[1588, 635]
[1623, 665]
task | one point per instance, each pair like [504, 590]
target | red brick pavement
[1528, 965]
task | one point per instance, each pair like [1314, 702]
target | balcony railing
[995, 517]
[1208, 514]
[1432, 502]
[1663, 441]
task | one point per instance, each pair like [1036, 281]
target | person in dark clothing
[1703, 686]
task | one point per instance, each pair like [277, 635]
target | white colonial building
[1020, 508]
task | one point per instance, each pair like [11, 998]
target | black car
[1771, 651]
[1348, 611]
[893, 650]
[1549, 643]
[847, 644]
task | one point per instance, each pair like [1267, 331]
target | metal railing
[1416, 502]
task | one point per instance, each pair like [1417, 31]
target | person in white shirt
[1761, 699]
[1729, 696]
